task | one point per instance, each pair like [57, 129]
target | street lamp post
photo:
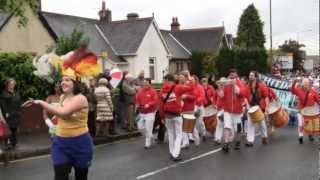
[271, 53]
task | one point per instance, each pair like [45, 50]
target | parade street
[282, 159]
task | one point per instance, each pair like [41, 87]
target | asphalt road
[282, 159]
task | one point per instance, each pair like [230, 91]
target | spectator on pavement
[139, 81]
[92, 100]
[121, 113]
[104, 108]
[10, 103]
[129, 90]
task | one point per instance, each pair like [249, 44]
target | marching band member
[219, 102]
[189, 101]
[170, 111]
[308, 97]
[147, 100]
[210, 97]
[257, 95]
[200, 98]
[232, 96]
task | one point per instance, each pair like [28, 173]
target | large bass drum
[210, 118]
[189, 121]
[311, 124]
[278, 116]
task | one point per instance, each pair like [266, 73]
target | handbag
[4, 130]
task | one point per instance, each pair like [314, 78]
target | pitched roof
[62, 25]
[177, 50]
[203, 39]
[4, 17]
[126, 35]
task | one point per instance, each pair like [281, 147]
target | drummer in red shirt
[308, 97]
[147, 102]
[189, 100]
[199, 107]
[209, 101]
[258, 94]
[232, 95]
[219, 104]
[170, 111]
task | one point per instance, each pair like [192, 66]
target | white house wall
[151, 46]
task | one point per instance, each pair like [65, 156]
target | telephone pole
[270, 13]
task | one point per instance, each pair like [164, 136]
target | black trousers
[13, 138]
[61, 172]
[162, 127]
[92, 123]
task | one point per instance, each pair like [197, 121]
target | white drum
[209, 111]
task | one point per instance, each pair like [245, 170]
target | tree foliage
[203, 63]
[68, 43]
[19, 66]
[250, 29]
[292, 46]
[18, 8]
[244, 60]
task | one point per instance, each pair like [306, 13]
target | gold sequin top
[75, 125]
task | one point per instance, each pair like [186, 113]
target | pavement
[283, 159]
[37, 144]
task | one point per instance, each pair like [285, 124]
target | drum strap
[207, 97]
[305, 99]
[169, 93]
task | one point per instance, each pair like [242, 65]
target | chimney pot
[132, 16]
[105, 14]
[175, 26]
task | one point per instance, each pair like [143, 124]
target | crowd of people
[75, 113]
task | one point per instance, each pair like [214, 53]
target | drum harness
[168, 95]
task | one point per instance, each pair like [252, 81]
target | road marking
[177, 164]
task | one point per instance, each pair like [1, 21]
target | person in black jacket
[10, 103]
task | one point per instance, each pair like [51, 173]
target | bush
[157, 86]
[19, 66]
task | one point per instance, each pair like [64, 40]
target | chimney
[175, 26]
[105, 14]
[132, 16]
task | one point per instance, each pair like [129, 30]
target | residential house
[133, 44]
[182, 42]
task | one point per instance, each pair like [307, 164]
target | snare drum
[256, 114]
[189, 121]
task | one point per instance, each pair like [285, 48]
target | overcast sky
[292, 19]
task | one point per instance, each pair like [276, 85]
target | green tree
[244, 60]
[292, 46]
[203, 63]
[250, 29]
[19, 66]
[225, 61]
[18, 8]
[68, 43]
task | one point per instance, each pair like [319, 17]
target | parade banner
[282, 90]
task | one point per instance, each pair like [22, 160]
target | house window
[179, 66]
[152, 68]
